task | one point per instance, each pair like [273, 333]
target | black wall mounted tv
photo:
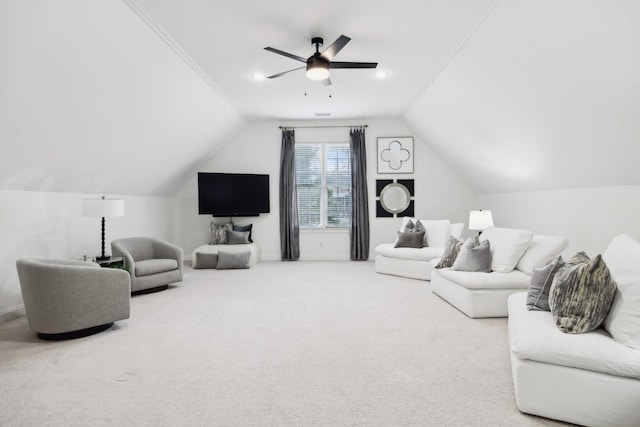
[232, 194]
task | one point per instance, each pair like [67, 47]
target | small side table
[113, 262]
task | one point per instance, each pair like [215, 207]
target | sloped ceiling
[545, 94]
[93, 101]
[131, 96]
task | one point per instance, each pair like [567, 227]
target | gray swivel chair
[71, 299]
[152, 263]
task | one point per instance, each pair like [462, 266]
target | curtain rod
[327, 126]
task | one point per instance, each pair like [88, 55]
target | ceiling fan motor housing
[317, 61]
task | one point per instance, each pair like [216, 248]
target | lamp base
[103, 258]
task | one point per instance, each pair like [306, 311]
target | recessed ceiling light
[380, 74]
[258, 76]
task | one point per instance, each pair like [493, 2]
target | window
[323, 182]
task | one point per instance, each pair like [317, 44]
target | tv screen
[232, 194]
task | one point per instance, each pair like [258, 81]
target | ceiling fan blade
[284, 72]
[288, 55]
[335, 47]
[334, 64]
[326, 82]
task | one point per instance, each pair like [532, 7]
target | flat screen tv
[232, 194]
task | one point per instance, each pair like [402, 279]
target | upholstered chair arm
[168, 251]
[118, 249]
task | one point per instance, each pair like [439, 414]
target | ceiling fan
[318, 64]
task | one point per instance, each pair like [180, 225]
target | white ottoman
[200, 260]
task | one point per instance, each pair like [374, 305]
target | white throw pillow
[542, 249]
[622, 256]
[507, 246]
[455, 230]
[437, 232]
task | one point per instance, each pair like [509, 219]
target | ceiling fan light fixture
[318, 71]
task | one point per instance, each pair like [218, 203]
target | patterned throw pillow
[581, 294]
[219, 233]
[540, 286]
[451, 250]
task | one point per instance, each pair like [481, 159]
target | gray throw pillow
[540, 286]
[473, 256]
[248, 227]
[416, 227]
[237, 237]
[451, 250]
[409, 240]
[581, 294]
[228, 260]
[219, 233]
[206, 260]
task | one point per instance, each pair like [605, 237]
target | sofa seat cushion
[534, 336]
[475, 280]
[418, 254]
[155, 266]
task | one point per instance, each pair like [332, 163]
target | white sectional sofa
[591, 379]
[514, 256]
[416, 263]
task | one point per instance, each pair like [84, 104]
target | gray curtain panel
[289, 225]
[359, 232]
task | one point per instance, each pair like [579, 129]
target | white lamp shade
[479, 220]
[102, 207]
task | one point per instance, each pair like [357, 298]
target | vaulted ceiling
[132, 96]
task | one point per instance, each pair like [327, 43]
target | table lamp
[102, 208]
[479, 220]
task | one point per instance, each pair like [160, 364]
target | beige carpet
[282, 344]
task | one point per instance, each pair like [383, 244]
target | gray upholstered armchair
[152, 263]
[70, 299]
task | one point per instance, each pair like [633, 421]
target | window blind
[323, 182]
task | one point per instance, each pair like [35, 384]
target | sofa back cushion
[436, 230]
[623, 321]
[456, 230]
[541, 250]
[507, 246]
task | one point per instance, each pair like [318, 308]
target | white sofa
[485, 294]
[591, 379]
[416, 263]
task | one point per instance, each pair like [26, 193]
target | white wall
[256, 149]
[50, 225]
[588, 217]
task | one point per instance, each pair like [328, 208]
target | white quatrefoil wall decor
[395, 155]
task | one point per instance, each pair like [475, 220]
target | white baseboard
[11, 313]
